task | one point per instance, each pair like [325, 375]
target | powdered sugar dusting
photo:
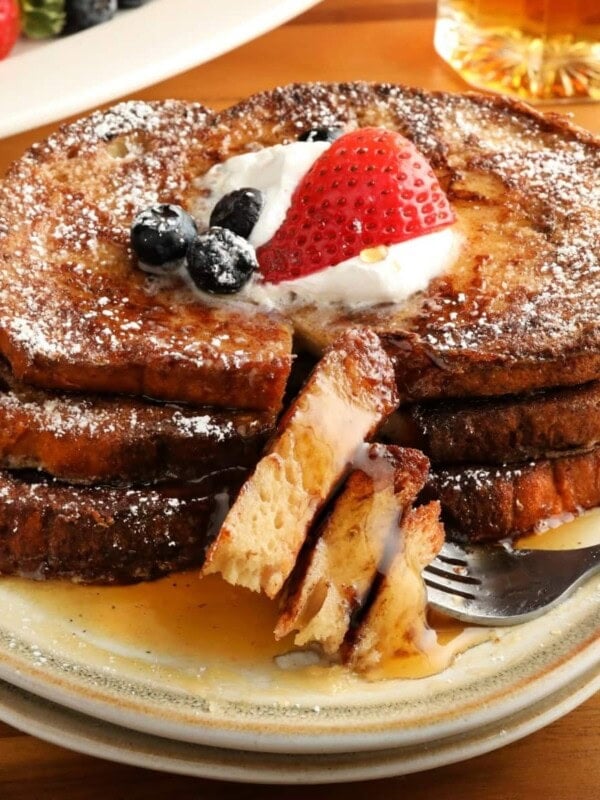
[499, 502]
[64, 415]
[526, 192]
[75, 309]
[477, 477]
[525, 189]
[83, 438]
[103, 534]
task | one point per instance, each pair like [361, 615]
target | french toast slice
[88, 438]
[348, 394]
[395, 623]
[342, 562]
[102, 534]
[501, 430]
[77, 313]
[519, 309]
[492, 503]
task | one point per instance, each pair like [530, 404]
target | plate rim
[242, 733]
[303, 769]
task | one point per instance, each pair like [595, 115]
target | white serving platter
[44, 81]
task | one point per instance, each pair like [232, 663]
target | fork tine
[454, 554]
[492, 585]
[441, 599]
[447, 578]
[448, 587]
[455, 574]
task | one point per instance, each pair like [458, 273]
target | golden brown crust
[518, 313]
[505, 429]
[519, 310]
[75, 310]
[491, 503]
[87, 439]
[103, 534]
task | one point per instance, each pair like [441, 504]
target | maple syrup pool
[209, 631]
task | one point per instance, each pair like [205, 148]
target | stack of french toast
[103, 483]
[145, 427]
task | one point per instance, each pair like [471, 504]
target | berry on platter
[83, 14]
[10, 26]
[371, 187]
[220, 262]
[41, 19]
[161, 236]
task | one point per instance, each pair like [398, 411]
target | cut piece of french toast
[395, 623]
[335, 577]
[77, 313]
[492, 503]
[87, 438]
[509, 429]
[102, 534]
[519, 308]
[348, 394]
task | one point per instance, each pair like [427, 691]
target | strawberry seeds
[371, 187]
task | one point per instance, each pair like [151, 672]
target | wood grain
[337, 40]
[561, 762]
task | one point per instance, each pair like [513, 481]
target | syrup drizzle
[208, 630]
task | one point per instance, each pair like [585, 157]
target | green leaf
[42, 18]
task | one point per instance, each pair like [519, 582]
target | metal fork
[493, 585]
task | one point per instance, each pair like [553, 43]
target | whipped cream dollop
[276, 171]
[376, 275]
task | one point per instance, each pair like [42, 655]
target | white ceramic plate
[192, 661]
[44, 81]
[84, 734]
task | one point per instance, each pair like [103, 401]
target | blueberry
[320, 135]
[161, 236]
[220, 262]
[238, 211]
[83, 14]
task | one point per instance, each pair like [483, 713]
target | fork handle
[591, 559]
[582, 561]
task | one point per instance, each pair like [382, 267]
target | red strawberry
[371, 187]
[10, 26]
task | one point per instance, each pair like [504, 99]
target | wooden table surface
[337, 40]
